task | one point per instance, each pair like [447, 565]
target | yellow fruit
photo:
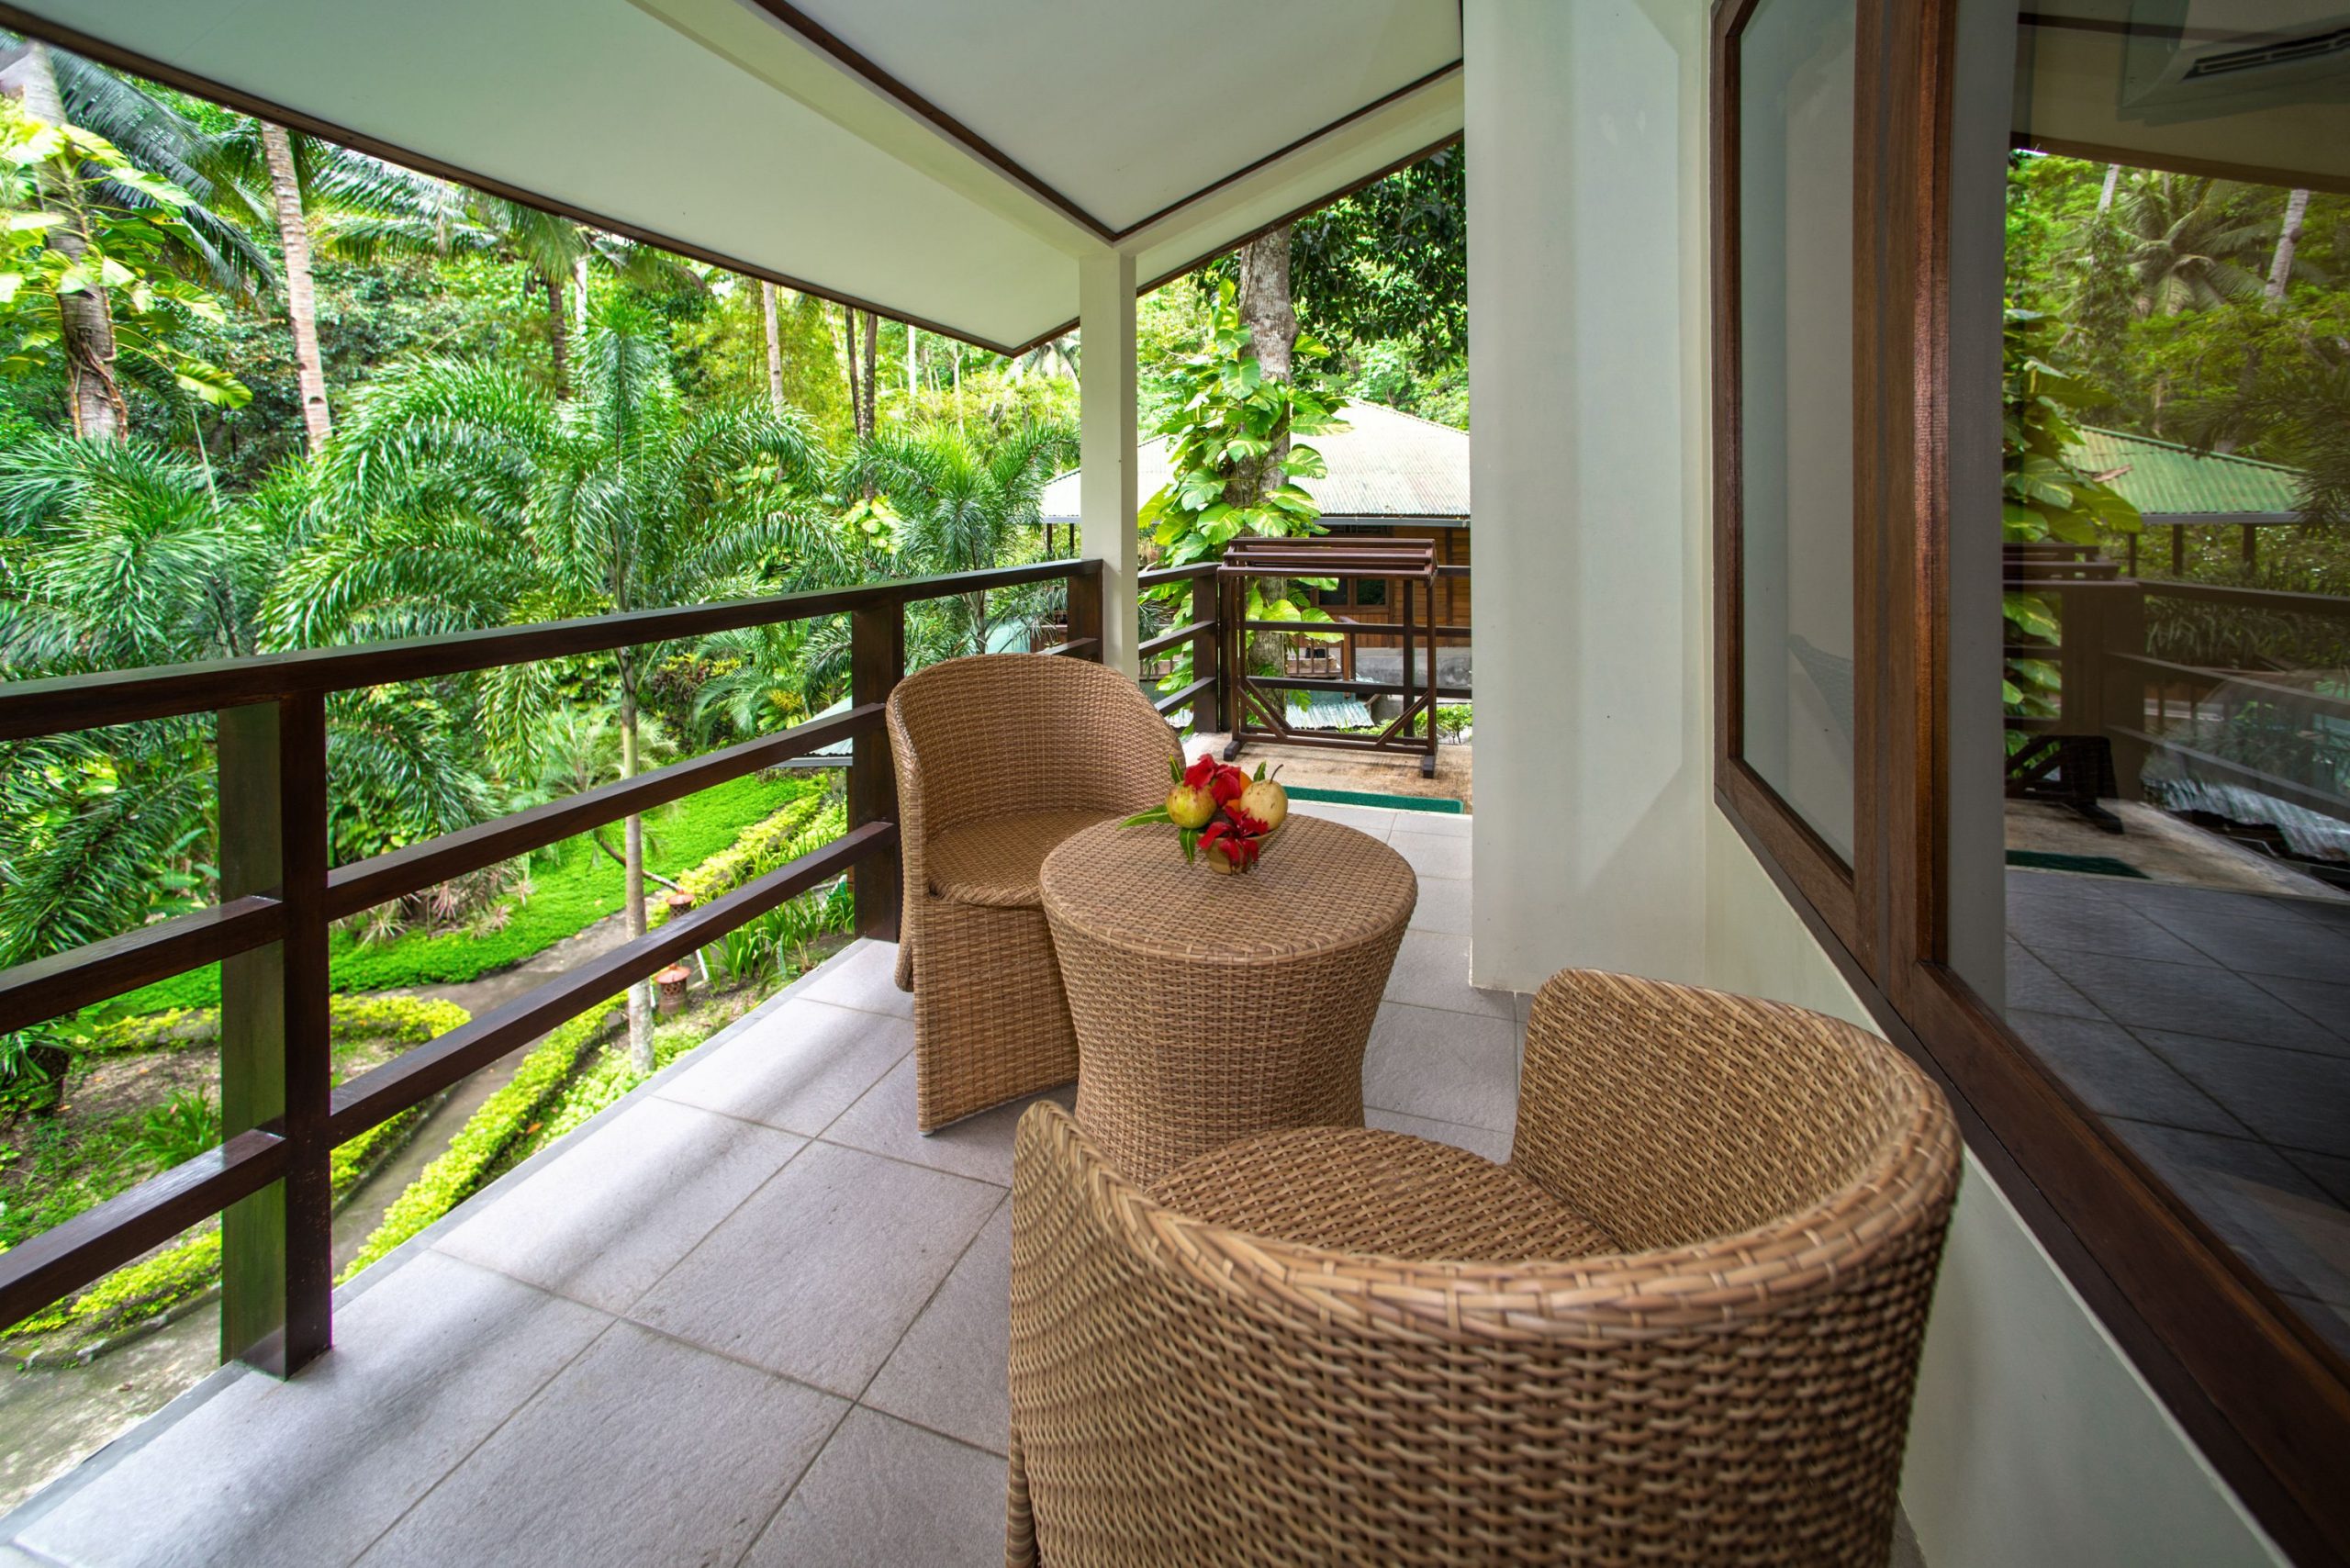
[1188, 807]
[1267, 802]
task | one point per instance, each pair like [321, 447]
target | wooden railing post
[876, 662]
[2124, 632]
[1085, 611]
[1207, 708]
[277, 1264]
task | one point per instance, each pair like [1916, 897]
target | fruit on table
[1189, 806]
[1267, 802]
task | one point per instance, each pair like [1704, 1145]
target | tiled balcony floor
[747, 1315]
[2211, 1030]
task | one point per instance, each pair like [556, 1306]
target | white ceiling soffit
[752, 133]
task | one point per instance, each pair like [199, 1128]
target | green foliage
[957, 504]
[474, 1155]
[126, 255]
[1233, 448]
[2045, 495]
[580, 887]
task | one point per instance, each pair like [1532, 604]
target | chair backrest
[1672, 1115]
[998, 733]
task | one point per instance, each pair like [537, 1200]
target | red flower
[1199, 771]
[1238, 850]
[1242, 820]
[1228, 785]
[1215, 829]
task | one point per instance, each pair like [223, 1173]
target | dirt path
[51, 1418]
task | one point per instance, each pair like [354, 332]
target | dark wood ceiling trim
[1406, 90]
[155, 69]
[816, 33]
[1204, 257]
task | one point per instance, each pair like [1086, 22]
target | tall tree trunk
[559, 335]
[640, 994]
[913, 365]
[301, 296]
[848, 358]
[2112, 182]
[958, 389]
[1272, 320]
[2289, 240]
[579, 295]
[775, 346]
[85, 318]
[872, 374]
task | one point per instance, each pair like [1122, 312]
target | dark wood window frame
[1844, 895]
[2265, 1400]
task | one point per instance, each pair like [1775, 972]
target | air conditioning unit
[2191, 59]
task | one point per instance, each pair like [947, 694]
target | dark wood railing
[1205, 693]
[280, 1111]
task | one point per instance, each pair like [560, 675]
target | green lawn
[573, 886]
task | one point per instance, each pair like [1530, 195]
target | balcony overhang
[944, 165]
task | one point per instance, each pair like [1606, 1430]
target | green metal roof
[2169, 483]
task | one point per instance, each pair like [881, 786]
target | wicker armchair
[999, 759]
[1682, 1326]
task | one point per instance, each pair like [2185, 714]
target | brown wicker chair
[999, 759]
[1682, 1326]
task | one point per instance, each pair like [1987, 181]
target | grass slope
[572, 888]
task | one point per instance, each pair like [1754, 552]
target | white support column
[1107, 435]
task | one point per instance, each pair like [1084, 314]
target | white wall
[1597, 844]
[1586, 165]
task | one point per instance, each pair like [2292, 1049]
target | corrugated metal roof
[2164, 479]
[1386, 463]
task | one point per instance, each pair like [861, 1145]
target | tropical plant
[2045, 495]
[473, 498]
[85, 280]
[181, 1128]
[960, 504]
[115, 555]
[1233, 457]
[429, 218]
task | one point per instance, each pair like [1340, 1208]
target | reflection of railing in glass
[2249, 744]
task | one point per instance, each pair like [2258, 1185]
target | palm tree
[254, 177]
[432, 218]
[2189, 238]
[475, 498]
[961, 504]
[118, 553]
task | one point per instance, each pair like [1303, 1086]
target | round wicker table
[1210, 1007]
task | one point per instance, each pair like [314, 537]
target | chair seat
[995, 861]
[1361, 1190]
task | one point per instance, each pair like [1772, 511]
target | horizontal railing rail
[270, 1177]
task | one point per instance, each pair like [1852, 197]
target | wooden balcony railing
[282, 1115]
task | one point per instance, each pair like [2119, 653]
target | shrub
[410, 1020]
[806, 825]
[139, 1290]
[475, 1155]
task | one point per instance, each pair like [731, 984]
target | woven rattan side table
[1210, 1007]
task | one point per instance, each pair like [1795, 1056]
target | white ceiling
[710, 124]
